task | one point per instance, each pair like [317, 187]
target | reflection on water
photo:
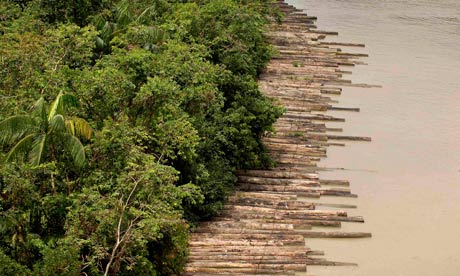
[408, 177]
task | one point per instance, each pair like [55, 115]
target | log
[344, 108]
[336, 235]
[278, 174]
[226, 265]
[320, 262]
[345, 183]
[349, 138]
[278, 181]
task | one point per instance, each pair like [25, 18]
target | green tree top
[41, 134]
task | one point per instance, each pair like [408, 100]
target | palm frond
[57, 123]
[55, 106]
[124, 16]
[70, 126]
[61, 104]
[38, 149]
[146, 14]
[39, 109]
[79, 127]
[15, 127]
[156, 35]
[21, 147]
[76, 149]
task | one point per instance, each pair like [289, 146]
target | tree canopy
[122, 124]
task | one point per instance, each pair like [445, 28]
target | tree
[41, 134]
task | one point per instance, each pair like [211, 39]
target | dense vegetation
[121, 124]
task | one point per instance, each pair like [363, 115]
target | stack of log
[264, 228]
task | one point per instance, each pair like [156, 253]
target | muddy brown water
[408, 177]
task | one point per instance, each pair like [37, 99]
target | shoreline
[263, 227]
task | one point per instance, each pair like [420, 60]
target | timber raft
[264, 225]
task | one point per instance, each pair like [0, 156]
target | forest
[122, 125]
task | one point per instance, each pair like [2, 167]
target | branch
[7, 97]
[54, 70]
[120, 238]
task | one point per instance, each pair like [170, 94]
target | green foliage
[39, 135]
[9, 267]
[41, 63]
[168, 109]
[62, 259]
[76, 11]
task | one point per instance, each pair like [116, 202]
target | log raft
[265, 226]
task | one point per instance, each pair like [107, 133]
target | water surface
[407, 178]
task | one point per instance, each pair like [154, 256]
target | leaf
[21, 147]
[100, 42]
[15, 127]
[55, 106]
[57, 123]
[37, 151]
[39, 109]
[76, 149]
[61, 104]
[79, 127]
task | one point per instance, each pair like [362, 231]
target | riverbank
[265, 223]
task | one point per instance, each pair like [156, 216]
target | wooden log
[320, 262]
[235, 242]
[233, 270]
[300, 149]
[343, 108]
[248, 225]
[318, 117]
[343, 44]
[217, 239]
[234, 274]
[315, 253]
[278, 181]
[299, 190]
[241, 265]
[279, 174]
[336, 235]
[279, 204]
[349, 138]
[266, 195]
[261, 258]
[301, 223]
[262, 250]
[345, 183]
[269, 211]
[307, 218]
[335, 205]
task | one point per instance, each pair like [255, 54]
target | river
[408, 177]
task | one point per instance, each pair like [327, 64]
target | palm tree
[38, 136]
[125, 15]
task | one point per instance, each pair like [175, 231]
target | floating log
[317, 262]
[336, 235]
[278, 181]
[349, 138]
[337, 108]
[278, 174]
[335, 182]
[343, 44]
[335, 205]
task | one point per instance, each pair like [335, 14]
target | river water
[408, 177]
